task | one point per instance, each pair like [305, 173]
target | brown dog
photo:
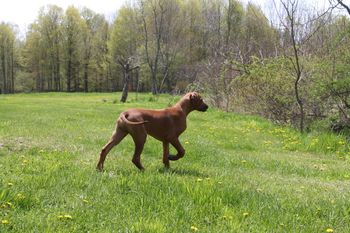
[165, 125]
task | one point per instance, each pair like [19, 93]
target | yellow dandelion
[329, 230]
[10, 184]
[21, 196]
[245, 214]
[341, 142]
[193, 228]
[65, 216]
[187, 142]
[5, 222]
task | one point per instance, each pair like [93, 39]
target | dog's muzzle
[203, 108]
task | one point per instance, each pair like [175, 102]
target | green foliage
[243, 61]
[267, 89]
[239, 174]
[258, 32]
[7, 58]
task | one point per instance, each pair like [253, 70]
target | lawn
[239, 174]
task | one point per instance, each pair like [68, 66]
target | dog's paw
[173, 157]
[99, 168]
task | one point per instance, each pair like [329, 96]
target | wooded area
[291, 67]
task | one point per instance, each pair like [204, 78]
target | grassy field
[239, 174]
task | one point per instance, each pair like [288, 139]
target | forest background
[291, 66]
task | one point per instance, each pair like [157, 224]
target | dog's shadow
[181, 172]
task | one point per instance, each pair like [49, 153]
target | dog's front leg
[179, 148]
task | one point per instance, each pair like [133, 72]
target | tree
[7, 58]
[99, 60]
[72, 34]
[152, 15]
[50, 26]
[34, 56]
[123, 43]
[127, 68]
[89, 30]
[291, 9]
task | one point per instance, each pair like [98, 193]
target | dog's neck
[184, 104]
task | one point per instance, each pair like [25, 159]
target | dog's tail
[123, 118]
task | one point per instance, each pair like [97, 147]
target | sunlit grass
[239, 174]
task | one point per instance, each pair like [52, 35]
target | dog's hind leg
[139, 136]
[117, 136]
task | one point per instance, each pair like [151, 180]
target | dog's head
[197, 102]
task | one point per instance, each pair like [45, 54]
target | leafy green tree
[123, 44]
[7, 58]
[72, 37]
[89, 30]
[34, 56]
[99, 64]
[50, 27]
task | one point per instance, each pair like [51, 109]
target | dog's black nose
[203, 108]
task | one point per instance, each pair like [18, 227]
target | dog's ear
[193, 95]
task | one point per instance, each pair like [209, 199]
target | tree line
[291, 67]
[79, 50]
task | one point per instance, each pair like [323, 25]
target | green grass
[239, 174]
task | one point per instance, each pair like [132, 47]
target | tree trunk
[86, 76]
[300, 104]
[69, 76]
[58, 78]
[3, 64]
[69, 71]
[154, 83]
[12, 71]
[126, 83]
[137, 83]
